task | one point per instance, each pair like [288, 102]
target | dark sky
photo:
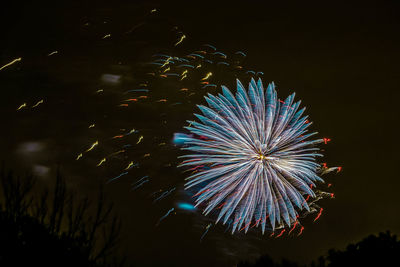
[341, 59]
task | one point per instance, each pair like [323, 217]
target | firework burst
[253, 160]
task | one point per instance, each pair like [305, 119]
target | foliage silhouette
[46, 228]
[380, 250]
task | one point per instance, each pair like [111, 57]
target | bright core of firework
[253, 162]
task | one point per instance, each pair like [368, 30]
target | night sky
[341, 59]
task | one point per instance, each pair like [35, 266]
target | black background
[341, 58]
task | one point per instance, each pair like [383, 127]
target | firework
[254, 164]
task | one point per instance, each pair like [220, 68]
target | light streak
[129, 165]
[140, 139]
[101, 162]
[163, 217]
[207, 76]
[204, 234]
[240, 53]
[180, 41]
[52, 53]
[22, 106]
[281, 233]
[319, 214]
[92, 146]
[301, 230]
[9, 64]
[38, 103]
[119, 176]
[211, 46]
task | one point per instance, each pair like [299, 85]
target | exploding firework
[254, 164]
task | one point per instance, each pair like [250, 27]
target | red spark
[326, 140]
[281, 233]
[308, 197]
[195, 168]
[319, 214]
[237, 220]
[256, 223]
[201, 192]
[294, 226]
[272, 234]
[220, 206]
[301, 230]
[245, 226]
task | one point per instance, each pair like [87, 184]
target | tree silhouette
[380, 250]
[54, 229]
[267, 261]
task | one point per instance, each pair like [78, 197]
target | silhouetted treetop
[52, 228]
